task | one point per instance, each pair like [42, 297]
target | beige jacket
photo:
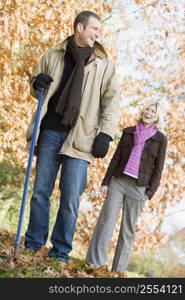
[99, 110]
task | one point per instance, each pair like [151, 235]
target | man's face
[85, 36]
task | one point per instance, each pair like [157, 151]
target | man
[78, 120]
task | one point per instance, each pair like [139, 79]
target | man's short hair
[83, 18]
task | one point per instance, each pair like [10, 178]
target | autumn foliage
[29, 28]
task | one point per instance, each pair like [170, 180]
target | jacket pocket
[85, 134]
[154, 151]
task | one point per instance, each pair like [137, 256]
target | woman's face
[149, 115]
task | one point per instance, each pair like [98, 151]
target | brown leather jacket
[151, 164]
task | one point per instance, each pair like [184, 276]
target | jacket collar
[131, 130]
[99, 49]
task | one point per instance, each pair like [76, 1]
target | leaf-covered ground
[38, 265]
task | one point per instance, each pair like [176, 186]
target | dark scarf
[70, 100]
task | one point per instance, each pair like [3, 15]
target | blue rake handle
[26, 183]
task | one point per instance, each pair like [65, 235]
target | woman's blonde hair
[159, 113]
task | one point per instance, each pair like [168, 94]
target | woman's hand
[104, 190]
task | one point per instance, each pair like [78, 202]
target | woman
[132, 177]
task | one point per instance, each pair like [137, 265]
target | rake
[27, 177]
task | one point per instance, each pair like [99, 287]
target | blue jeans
[73, 180]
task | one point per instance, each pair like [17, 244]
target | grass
[39, 265]
[160, 263]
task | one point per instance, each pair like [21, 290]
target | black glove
[42, 81]
[101, 145]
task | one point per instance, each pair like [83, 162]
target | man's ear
[80, 27]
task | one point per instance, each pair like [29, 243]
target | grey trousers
[122, 192]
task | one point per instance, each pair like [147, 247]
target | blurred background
[147, 42]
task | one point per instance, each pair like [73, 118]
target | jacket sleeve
[41, 67]
[110, 105]
[157, 170]
[114, 162]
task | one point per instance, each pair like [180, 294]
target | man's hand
[101, 145]
[42, 81]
